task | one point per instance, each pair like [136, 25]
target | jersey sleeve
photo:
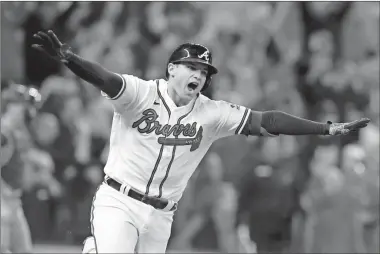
[132, 93]
[230, 119]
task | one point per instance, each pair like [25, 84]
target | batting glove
[52, 46]
[346, 128]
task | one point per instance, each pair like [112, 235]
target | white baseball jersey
[156, 146]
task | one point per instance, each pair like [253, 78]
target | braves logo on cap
[205, 55]
[188, 54]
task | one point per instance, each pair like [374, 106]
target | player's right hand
[346, 128]
[52, 46]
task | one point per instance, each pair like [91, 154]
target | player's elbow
[112, 85]
[265, 133]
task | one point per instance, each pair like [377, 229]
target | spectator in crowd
[268, 196]
[213, 208]
[15, 145]
[15, 232]
[41, 16]
[369, 141]
[332, 224]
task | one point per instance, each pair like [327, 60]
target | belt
[158, 203]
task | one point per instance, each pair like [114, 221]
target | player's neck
[178, 101]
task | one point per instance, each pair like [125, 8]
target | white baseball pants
[120, 224]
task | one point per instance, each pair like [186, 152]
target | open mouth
[192, 85]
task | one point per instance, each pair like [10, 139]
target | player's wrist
[336, 129]
[326, 128]
[65, 53]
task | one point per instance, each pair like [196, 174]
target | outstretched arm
[273, 123]
[107, 81]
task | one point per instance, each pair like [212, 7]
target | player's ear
[171, 69]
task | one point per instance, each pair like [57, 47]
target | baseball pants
[121, 224]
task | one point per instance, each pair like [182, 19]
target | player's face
[188, 78]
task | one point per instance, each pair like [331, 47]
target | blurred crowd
[318, 60]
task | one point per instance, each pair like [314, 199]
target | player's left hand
[346, 128]
[52, 46]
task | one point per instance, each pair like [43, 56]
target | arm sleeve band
[278, 122]
[107, 81]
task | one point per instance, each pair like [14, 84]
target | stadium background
[319, 60]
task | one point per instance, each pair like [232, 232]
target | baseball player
[161, 130]
[17, 110]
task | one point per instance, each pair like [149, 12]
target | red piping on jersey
[92, 219]
[173, 154]
[167, 171]
[242, 121]
[162, 146]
